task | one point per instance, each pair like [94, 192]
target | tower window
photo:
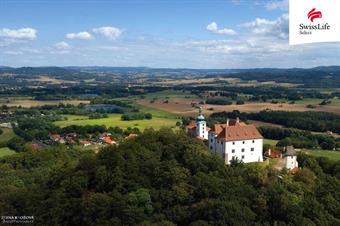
[253, 141]
[242, 156]
[243, 142]
[242, 149]
[251, 149]
[233, 143]
[233, 151]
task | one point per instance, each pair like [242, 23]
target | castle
[232, 140]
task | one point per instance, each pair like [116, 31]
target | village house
[286, 160]
[84, 143]
[233, 140]
[57, 138]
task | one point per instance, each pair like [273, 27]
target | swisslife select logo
[307, 29]
[314, 21]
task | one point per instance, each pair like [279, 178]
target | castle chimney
[237, 120]
[227, 121]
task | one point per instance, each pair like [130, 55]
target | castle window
[242, 149]
[242, 156]
[233, 151]
[233, 143]
[243, 142]
[251, 149]
[253, 141]
[211, 147]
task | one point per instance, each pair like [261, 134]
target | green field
[334, 155]
[6, 152]
[269, 141]
[312, 101]
[162, 95]
[159, 119]
[6, 135]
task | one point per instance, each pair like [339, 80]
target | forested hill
[164, 178]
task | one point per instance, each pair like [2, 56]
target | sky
[163, 33]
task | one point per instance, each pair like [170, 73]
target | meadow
[159, 119]
[6, 135]
[6, 152]
[333, 155]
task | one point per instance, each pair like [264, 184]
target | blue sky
[163, 33]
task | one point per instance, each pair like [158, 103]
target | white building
[290, 158]
[236, 140]
[232, 140]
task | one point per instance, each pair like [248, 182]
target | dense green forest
[165, 178]
[312, 121]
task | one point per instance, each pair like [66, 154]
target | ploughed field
[27, 103]
[184, 106]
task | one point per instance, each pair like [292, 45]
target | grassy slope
[269, 141]
[159, 119]
[6, 135]
[334, 155]
[6, 152]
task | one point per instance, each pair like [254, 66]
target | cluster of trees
[312, 121]
[98, 115]
[258, 93]
[165, 178]
[299, 138]
[219, 101]
[136, 116]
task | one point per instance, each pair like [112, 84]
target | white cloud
[21, 34]
[84, 35]
[62, 45]
[111, 33]
[278, 4]
[10, 52]
[277, 28]
[212, 27]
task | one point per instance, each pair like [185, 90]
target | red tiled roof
[131, 135]
[239, 131]
[192, 125]
[108, 140]
[273, 154]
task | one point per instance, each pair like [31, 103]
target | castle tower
[201, 126]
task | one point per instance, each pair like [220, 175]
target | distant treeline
[300, 138]
[312, 121]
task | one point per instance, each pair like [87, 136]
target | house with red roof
[108, 140]
[236, 140]
[85, 143]
[230, 140]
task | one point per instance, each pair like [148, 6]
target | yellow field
[34, 103]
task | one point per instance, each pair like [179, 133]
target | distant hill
[323, 76]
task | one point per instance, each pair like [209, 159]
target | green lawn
[6, 152]
[159, 119]
[6, 135]
[269, 141]
[334, 155]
